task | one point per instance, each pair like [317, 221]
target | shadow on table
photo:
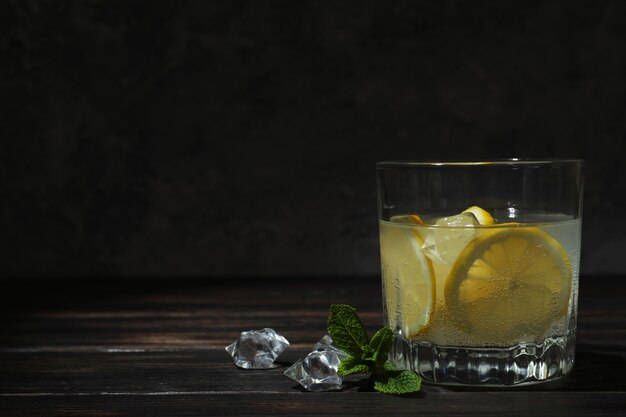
[596, 368]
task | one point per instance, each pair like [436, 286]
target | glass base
[523, 364]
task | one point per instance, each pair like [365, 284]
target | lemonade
[477, 299]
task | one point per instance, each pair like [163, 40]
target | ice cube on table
[449, 236]
[257, 349]
[326, 343]
[318, 370]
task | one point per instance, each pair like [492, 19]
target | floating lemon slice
[508, 283]
[482, 215]
[414, 218]
[408, 277]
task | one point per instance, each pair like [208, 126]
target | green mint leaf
[368, 354]
[351, 365]
[346, 329]
[380, 345]
[398, 382]
[389, 366]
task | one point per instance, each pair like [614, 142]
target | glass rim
[482, 162]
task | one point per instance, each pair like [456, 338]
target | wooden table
[156, 347]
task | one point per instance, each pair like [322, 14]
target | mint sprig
[368, 356]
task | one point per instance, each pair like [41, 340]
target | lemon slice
[482, 215]
[414, 218]
[509, 283]
[408, 278]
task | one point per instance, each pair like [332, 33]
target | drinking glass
[480, 266]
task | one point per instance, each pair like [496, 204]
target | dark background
[239, 137]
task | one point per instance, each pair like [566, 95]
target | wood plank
[191, 314]
[433, 403]
[196, 315]
[213, 370]
[157, 331]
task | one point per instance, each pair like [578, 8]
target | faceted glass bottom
[523, 364]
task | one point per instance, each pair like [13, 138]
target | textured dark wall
[239, 137]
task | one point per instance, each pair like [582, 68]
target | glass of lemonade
[480, 267]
